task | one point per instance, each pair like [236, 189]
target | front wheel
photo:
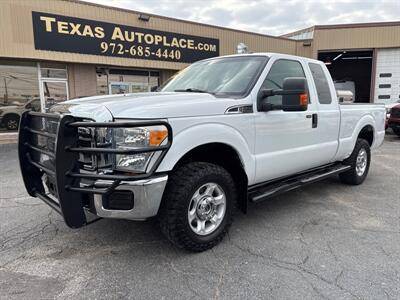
[197, 207]
[359, 161]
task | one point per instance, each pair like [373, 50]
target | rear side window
[321, 83]
[281, 69]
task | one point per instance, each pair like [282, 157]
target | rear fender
[348, 142]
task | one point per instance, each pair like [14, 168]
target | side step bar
[272, 188]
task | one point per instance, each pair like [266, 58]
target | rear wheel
[197, 207]
[359, 161]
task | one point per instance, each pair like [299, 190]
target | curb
[8, 138]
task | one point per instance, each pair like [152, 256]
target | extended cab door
[328, 109]
[287, 142]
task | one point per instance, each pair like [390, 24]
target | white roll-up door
[387, 78]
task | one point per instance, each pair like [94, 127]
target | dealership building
[53, 50]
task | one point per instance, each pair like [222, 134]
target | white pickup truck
[221, 133]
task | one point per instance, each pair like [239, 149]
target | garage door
[387, 81]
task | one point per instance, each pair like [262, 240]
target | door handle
[314, 120]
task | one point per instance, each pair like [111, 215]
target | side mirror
[294, 94]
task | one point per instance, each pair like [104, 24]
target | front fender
[197, 135]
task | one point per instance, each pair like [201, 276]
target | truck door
[287, 142]
[328, 110]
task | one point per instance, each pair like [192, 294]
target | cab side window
[321, 84]
[281, 69]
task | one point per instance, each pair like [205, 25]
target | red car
[394, 119]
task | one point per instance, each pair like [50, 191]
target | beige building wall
[82, 80]
[366, 36]
[304, 48]
[16, 35]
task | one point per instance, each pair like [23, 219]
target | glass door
[53, 84]
[53, 93]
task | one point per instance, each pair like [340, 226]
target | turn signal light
[303, 99]
[157, 136]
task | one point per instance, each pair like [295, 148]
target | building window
[18, 83]
[19, 91]
[384, 97]
[123, 81]
[385, 86]
[385, 75]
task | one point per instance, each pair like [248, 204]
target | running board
[276, 187]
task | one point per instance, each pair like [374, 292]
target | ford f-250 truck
[221, 133]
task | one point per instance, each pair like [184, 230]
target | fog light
[119, 200]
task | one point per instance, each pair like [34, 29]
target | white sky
[273, 17]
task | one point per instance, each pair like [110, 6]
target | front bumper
[146, 202]
[50, 151]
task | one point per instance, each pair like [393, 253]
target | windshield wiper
[193, 90]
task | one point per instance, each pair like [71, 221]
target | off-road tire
[351, 177]
[173, 216]
[10, 120]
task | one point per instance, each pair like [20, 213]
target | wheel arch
[228, 158]
[364, 128]
[218, 144]
[367, 133]
[11, 114]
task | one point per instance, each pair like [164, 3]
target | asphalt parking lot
[327, 240]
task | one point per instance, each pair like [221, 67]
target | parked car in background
[11, 114]
[389, 107]
[394, 119]
[345, 96]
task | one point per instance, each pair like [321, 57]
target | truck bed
[353, 117]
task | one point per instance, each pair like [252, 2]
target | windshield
[222, 76]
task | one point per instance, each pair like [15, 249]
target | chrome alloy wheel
[361, 162]
[207, 208]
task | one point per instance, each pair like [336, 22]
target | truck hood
[149, 105]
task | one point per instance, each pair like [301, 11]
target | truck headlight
[136, 138]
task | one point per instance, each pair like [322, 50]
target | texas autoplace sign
[75, 35]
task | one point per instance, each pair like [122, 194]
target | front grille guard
[61, 169]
